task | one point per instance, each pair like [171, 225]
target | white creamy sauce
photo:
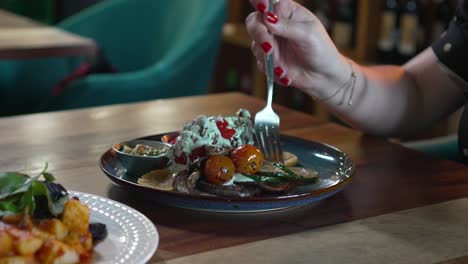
[238, 177]
[203, 131]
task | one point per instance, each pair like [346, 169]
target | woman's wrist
[336, 81]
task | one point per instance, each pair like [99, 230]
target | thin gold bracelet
[349, 84]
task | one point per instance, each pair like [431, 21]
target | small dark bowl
[136, 165]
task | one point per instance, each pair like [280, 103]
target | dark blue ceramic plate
[335, 169]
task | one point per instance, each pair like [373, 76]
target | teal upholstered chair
[161, 49]
[441, 147]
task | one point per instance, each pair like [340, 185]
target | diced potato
[76, 216]
[28, 245]
[18, 260]
[20, 220]
[55, 241]
[55, 227]
[68, 257]
[42, 234]
[57, 252]
[6, 243]
[87, 241]
[12, 219]
[74, 241]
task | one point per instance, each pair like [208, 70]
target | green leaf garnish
[12, 182]
[48, 177]
[20, 192]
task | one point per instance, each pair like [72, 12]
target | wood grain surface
[22, 38]
[388, 177]
[460, 260]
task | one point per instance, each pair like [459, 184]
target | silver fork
[267, 121]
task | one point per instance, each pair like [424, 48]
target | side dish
[217, 155]
[40, 223]
[142, 150]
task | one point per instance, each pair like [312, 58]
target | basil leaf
[48, 177]
[9, 205]
[12, 183]
[18, 191]
[27, 201]
[38, 188]
[55, 206]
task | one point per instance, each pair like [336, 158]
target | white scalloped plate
[132, 237]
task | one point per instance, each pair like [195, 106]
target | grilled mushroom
[233, 190]
[180, 181]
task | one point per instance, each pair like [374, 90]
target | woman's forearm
[387, 100]
[397, 101]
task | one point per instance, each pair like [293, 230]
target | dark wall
[66, 8]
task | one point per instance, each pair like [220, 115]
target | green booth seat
[26, 84]
[441, 147]
[160, 48]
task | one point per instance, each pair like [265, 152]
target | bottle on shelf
[343, 29]
[410, 31]
[388, 37]
[425, 19]
[443, 16]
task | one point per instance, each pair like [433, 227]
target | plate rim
[315, 193]
[155, 244]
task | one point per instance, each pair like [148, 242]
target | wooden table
[362, 224]
[21, 38]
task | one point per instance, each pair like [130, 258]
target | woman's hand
[305, 56]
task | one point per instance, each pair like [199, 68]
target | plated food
[41, 223]
[216, 155]
[334, 167]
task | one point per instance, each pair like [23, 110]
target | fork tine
[268, 146]
[261, 133]
[278, 153]
[260, 139]
[265, 143]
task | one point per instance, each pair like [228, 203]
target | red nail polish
[278, 71]
[285, 81]
[266, 47]
[272, 18]
[261, 8]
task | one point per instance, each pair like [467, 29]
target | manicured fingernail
[278, 71]
[272, 18]
[266, 47]
[285, 81]
[261, 8]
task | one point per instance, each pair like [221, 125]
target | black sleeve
[452, 48]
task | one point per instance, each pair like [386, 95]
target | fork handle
[269, 64]
[269, 61]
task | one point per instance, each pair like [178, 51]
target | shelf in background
[236, 34]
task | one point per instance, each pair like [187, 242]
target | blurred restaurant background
[153, 49]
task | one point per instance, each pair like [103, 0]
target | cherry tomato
[219, 169]
[197, 153]
[248, 159]
[182, 159]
